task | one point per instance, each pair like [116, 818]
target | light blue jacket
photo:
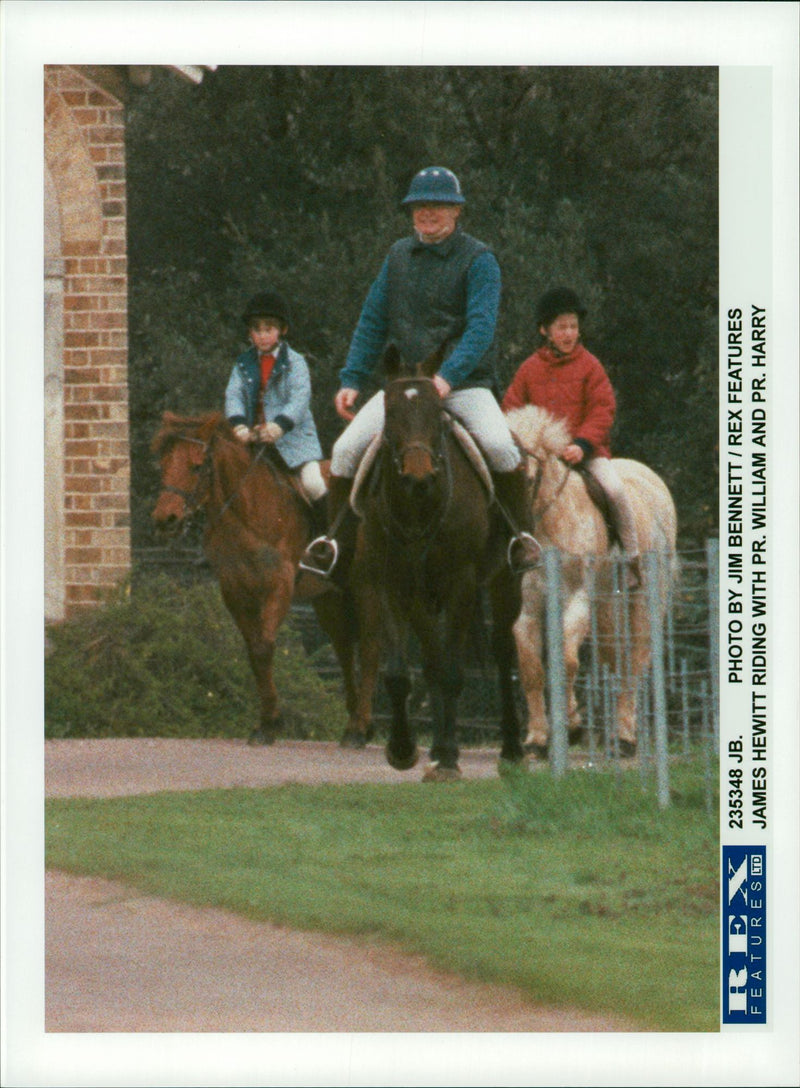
[287, 402]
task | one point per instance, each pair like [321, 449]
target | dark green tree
[601, 178]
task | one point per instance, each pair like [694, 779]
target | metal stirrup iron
[527, 542]
[327, 548]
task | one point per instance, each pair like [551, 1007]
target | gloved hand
[268, 432]
[242, 432]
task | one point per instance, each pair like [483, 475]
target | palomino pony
[257, 525]
[565, 517]
[430, 536]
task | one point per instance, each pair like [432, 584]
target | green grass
[576, 891]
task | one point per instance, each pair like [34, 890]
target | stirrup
[531, 555]
[328, 556]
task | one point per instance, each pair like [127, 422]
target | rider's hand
[242, 432]
[269, 432]
[345, 399]
[573, 454]
[443, 387]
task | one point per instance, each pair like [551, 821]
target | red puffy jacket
[573, 387]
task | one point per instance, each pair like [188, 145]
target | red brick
[112, 501]
[87, 485]
[83, 556]
[86, 116]
[89, 518]
[81, 339]
[78, 249]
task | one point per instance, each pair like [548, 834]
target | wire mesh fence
[676, 695]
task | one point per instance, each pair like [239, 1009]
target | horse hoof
[627, 749]
[260, 739]
[537, 750]
[434, 772]
[402, 763]
[353, 739]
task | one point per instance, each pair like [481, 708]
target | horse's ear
[392, 363]
[209, 424]
[433, 362]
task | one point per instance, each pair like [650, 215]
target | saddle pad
[362, 472]
[465, 440]
[473, 452]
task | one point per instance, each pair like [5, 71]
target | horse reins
[537, 483]
[189, 496]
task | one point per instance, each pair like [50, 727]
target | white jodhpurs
[311, 481]
[607, 476]
[476, 408]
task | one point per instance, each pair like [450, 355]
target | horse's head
[181, 445]
[414, 430]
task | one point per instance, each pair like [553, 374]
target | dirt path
[121, 961]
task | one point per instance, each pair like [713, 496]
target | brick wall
[85, 157]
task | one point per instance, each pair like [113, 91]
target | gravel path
[121, 961]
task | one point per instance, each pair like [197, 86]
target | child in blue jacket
[268, 397]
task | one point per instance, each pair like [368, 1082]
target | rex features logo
[744, 933]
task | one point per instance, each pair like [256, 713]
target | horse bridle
[537, 483]
[206, 468]
[439, 460]
[189, 497]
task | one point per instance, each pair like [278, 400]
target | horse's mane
[174, 427]
[537, 431]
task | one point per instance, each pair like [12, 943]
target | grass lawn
[578, 891]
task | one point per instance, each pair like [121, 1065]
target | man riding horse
[438, 287]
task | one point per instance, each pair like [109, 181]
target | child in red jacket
[563, 377]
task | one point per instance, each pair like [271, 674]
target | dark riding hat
[434, 185]
[556, 301]
[267, 304]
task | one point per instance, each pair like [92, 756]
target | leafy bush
[166, 660]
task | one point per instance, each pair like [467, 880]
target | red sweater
[573, 387]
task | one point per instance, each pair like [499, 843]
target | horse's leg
[630, 671]
[443, 641]
[576, 628]
[528, 635]
[401, 748]
[337, 617]
[259, 626]
[505, 604]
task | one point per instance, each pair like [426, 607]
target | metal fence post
[653, 567]
[556, 669]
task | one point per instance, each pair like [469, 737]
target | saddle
[465, 440]
[600, 499]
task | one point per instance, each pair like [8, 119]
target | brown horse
[257, 525]
[431, 536]
[566, 518]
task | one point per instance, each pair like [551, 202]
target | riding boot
[318, 511]
[325, 553]
[511, 491]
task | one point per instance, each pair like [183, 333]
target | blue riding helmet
[434, 185]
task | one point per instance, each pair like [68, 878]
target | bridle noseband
[190, 497]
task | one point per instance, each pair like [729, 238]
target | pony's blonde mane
[537, 431]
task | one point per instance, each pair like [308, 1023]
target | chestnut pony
[431, 536]
[256, 527]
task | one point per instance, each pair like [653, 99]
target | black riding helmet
[267, 304]
[558, 300]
